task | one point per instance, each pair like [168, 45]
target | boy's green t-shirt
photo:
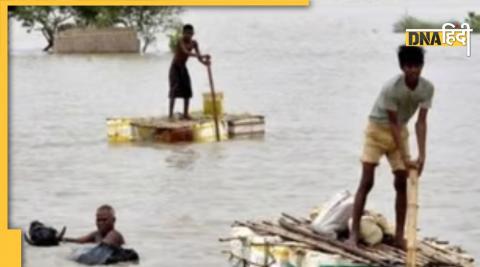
[396, 96]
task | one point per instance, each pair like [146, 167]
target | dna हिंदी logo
[448, 35]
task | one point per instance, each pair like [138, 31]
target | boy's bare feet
[400, 243]
[352, 241]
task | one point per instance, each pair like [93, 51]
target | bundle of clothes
[45, 236]
[333, 218]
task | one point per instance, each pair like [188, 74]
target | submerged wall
[92, 40]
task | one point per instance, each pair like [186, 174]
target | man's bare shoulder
[115, 233]
[114, 237]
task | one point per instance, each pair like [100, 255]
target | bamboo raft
[430, 252]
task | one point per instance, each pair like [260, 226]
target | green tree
[474, 21]
[96, 16]
[149, 21]
[174, 35]
[409, 22]
[46, 19]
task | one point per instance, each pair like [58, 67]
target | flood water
[313, 72]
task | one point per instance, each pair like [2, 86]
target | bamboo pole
[214, 106]
[412, 212]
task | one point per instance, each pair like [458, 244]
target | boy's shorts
[379, 141]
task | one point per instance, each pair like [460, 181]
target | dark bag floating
[41, 235]
[106, 254]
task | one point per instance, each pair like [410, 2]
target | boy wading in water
[179, 79]
[387, 134]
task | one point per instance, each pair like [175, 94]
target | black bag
[106, 254]
[41, 235]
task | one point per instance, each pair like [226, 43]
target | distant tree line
[474, 21]
[147, 21]
[409, 22]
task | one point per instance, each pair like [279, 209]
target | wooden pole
[214, 108]
[412, 211]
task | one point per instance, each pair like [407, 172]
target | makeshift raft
[292, 242]
[201, 128]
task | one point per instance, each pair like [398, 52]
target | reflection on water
[313, 72]
[182, 158]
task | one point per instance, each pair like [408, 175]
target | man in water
[105, 233]
[179, 79]
[387, 134]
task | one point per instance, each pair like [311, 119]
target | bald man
[105, 233]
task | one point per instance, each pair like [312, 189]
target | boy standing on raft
[179, 79]
[387, 134]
